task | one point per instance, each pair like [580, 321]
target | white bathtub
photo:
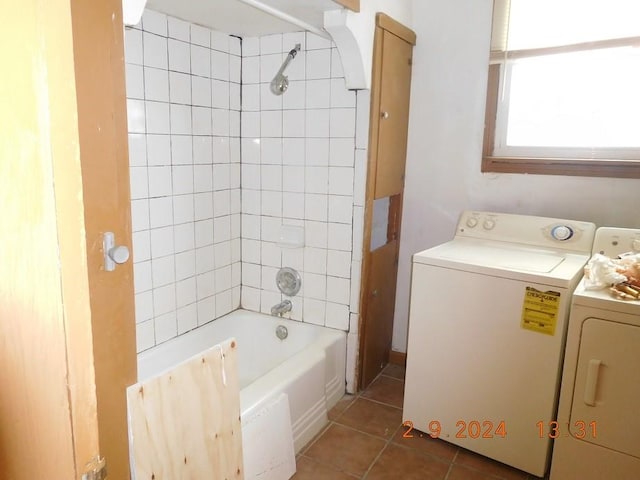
[309, 365]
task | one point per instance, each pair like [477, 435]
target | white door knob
[113, 254]
[119, 254]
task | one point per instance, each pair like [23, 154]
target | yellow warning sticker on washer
[540, 311]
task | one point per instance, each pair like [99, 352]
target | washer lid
[506, 260]
[527, 260]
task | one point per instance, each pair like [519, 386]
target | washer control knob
[472, 222]
[488, 224]
[635, 245]
[561, 232]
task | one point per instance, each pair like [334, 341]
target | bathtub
[308, 366]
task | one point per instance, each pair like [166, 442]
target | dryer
[487, 325]
[598, 425]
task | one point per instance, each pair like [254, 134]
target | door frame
[383, 22]
[98, 50]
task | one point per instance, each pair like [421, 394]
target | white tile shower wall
[183, 99]
[304, 164]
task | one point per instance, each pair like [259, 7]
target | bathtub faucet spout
[282, 307]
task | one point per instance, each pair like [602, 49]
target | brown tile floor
[364, 440]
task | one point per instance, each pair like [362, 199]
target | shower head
[280, 82]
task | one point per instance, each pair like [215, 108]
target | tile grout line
[451, 464]
[391, 437]
[333, 422]
[378, 402]
[377, 457]
[315, 439]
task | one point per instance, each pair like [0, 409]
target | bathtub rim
[327, 334]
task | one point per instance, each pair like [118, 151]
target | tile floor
[364, 440]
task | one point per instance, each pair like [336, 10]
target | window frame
[569, 166]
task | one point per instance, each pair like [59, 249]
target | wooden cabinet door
[380, 306]
[391, 85]
[394, 115]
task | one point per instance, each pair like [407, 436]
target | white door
[607, 388]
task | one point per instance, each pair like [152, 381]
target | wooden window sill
[579, 167]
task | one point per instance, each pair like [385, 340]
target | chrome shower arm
[292, 54]
[280, 82]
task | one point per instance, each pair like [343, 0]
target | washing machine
[598, 427]
[487, 325]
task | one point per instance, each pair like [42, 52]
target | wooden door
[48, 422]
[391, 84]
[52, 408]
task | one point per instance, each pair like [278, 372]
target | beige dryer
[597, 434]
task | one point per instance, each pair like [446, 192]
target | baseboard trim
[397, 358]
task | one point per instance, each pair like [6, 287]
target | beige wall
[362, 26]
[445, 142]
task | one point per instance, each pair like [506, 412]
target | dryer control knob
[488, 224]
[562, 232]
[472, 222]
[635, 245]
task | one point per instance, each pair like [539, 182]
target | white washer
[487, 323]
[598, 429]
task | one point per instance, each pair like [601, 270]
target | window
[564, 88]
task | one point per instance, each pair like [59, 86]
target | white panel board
[275, 460]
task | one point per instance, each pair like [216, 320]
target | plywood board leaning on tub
[185, 423]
